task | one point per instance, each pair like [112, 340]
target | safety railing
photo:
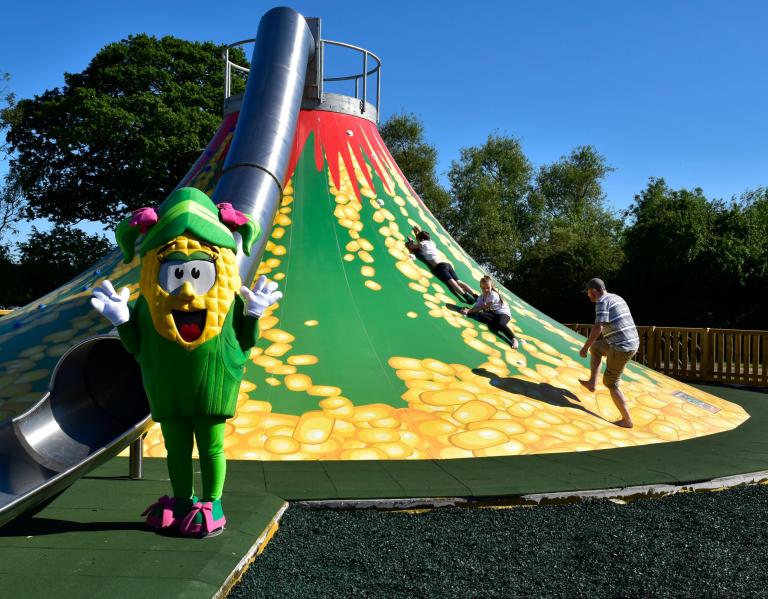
[369, 75]
[360, 79]
[706, 355]
[230, 66]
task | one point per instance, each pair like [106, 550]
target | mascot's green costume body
[191, 334]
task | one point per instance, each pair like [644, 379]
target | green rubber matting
[90, 541]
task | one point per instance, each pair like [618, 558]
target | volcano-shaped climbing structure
[366, 357]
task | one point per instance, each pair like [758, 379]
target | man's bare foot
[624, 423]
[588, 384]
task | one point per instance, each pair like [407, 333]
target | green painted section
[319, 285]
[360, 329]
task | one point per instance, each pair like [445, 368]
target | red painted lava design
[338, 135]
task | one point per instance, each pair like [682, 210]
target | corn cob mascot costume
[191, 334]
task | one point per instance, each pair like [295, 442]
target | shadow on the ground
[34, 527]
[554, 396]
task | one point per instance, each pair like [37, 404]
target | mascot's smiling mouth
[189, 324]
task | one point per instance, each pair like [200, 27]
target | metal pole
[136, 459]
[378, 94]
[365, 80]
[226, 73]
[321, 68]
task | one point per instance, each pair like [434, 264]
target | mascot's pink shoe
[160, 514]
[203, 519]
[167, 512]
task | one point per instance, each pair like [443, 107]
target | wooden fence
[707, 355]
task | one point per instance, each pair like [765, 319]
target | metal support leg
[136, 459]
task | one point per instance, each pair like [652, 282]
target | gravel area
[688, 545]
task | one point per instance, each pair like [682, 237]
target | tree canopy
[577, 236]
[121, 133]
[490, 189]
[11, 201]
[47, 260]
[697, 261]
[404, 136]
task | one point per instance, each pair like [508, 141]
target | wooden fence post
[651, 347]
[706, 356]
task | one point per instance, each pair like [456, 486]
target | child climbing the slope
[491, 310]
[426, 250]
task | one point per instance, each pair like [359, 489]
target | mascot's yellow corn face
[189, 273]
[189, 286]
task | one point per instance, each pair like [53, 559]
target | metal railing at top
[229, 65]
[707, 355]
[360, 79]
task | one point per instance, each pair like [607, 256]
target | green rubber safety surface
[91, 542]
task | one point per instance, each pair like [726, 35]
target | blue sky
[666, 89]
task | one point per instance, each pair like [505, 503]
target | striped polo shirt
[619, 329]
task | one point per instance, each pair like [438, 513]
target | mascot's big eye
[201, 274]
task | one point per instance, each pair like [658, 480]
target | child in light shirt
[491, 310]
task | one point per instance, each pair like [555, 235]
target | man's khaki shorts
[615, 362]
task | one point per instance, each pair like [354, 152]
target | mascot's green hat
[186, 210]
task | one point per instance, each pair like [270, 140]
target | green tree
[491, 191]
[8, 274]
[697, 262]
[735, 263]
[7, 101]
[578, 237]
[12, 207]
[754, 205]
[11, 200]
[668, 270]
[572, 185]
[121, 133]
[417, 159]
[49, 259]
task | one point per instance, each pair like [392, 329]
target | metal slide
[95, 405]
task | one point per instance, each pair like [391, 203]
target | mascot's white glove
[111, 304]
[263, 295]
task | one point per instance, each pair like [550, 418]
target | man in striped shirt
[619, 344]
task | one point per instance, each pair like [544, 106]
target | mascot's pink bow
[144, 218]
[230, 216]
